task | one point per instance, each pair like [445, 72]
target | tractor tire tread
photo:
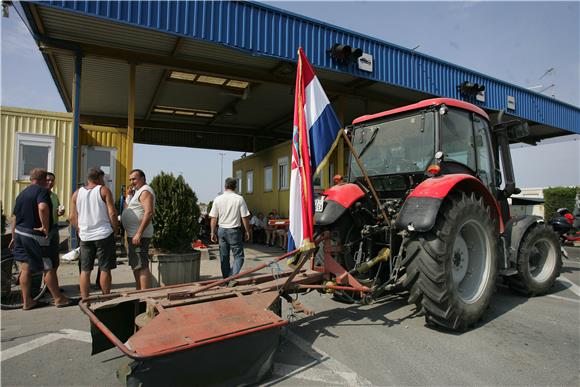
[427, 276]
[521, 282]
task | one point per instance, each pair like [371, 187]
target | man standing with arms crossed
[93, 214]
[137, 220]
[227, 214]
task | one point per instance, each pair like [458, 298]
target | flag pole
[364, 172]
[307, 244]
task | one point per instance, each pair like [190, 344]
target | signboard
[365, 62]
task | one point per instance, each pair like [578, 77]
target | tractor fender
[337, 200]
[419, 212]
[515, 230]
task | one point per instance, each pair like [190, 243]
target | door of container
[103, 158]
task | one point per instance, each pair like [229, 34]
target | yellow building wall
[28, 121]
[93, 135]
[58, 125]
[260, 200]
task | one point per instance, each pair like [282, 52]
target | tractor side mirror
[514, 129]
[518, 131]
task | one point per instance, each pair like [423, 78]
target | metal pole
[364, 172]
[76, 129]
[222, 171]
[130, 117]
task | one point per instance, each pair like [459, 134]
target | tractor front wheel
[539, 262]
[453, 267]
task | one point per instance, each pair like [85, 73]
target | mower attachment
[214, 332]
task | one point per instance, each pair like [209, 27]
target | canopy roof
[220, 75]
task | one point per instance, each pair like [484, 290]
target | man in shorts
[137, 221]
[32, 228]
[94, 215]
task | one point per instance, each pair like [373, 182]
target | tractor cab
[401, 148]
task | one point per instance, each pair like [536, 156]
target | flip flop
[37, 304]
[70, 302]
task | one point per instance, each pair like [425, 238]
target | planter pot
[174, 269]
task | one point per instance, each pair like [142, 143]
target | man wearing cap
[228, 213]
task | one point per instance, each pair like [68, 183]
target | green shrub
[176, 219]
[559, 197]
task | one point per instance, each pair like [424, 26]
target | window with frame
[483, 148]
[457, 140]
[250, 181]
[33, 151]
[268, 178]
[239, 180]
[283, 177]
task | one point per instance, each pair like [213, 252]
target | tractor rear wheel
[453, 266]
[539, 262]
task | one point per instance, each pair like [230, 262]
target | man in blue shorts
[31, 229]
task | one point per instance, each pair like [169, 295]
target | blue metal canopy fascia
[262, 30]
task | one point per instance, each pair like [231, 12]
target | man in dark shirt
[31, 228]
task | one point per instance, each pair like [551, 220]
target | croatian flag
[315, 133]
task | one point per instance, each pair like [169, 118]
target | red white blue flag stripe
[315, 131]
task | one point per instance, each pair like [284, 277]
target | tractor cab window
[456, 138]
[401, 145]
[483, 147]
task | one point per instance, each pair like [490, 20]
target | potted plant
[176, 225]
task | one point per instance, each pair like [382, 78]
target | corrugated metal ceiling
[84, 29]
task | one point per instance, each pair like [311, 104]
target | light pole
[222, 171]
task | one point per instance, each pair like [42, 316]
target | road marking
[71, 334]
[347, 376]
[312, 374]
[29, 346]
[571, 285]
[563, 298]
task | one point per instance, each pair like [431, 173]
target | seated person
[271, 229]
[258, 228]
[283, 237]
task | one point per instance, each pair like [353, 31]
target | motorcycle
[563, 224]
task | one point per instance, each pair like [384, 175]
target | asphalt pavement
[531, 342]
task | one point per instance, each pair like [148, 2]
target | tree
[176, 219]
[559, 197]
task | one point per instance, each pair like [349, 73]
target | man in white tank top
[94, 216]
[137, 219]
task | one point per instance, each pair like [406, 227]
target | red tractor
[437, 205]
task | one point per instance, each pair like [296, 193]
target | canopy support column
[131, 117]
[76, 108]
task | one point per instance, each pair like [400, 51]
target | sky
[530, 44]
